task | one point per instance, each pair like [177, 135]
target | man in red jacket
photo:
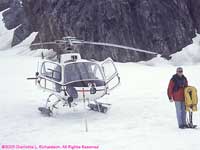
[176, 94]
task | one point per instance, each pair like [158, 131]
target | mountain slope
[155, 25]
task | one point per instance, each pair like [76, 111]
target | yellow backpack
[191, 99]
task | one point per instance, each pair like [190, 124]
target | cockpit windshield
[82, 71]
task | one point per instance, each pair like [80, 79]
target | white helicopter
[71, 79]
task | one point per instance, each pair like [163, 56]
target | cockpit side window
[96, 72]
[51, 71]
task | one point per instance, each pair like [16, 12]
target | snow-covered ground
[141, 116]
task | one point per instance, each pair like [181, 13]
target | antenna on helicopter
[42, 55]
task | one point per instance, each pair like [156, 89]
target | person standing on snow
[175, 93]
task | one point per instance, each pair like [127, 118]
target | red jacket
[177, 95]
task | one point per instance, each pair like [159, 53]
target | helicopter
[72, 80]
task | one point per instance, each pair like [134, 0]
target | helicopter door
[111, 74]
[50, 76]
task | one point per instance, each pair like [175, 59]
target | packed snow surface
[141, 116]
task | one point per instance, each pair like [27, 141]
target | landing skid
[99, 107]
[48, 109]
[45, 111]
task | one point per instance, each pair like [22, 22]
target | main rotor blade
[45, 43]
[120, 46]
[73, 40]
